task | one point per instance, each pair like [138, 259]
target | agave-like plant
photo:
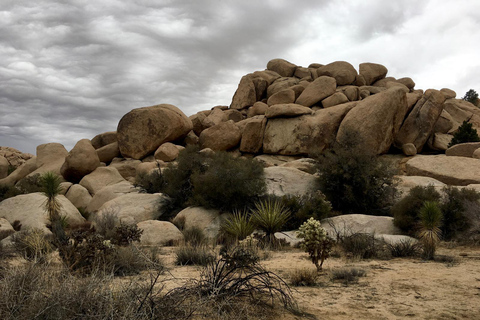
[239, 225]
[430, 221]
[51, 189]
[270, 216]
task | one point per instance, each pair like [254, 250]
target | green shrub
[315, 242]
[270, 216]
[126, 234]
[360, 245]
[311, 205]
[453, 208]
[152, 182]
[303, 277]
[356, 181]
[348, 274]
[193, 255]
[465, 133]
[194, 236]
[430, 233]
[238, 226]
[404, 248]
[471, 96]
[406, 211]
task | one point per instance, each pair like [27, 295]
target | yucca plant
[270, 216]
[238, 226]
[430, 233]
[51, 189]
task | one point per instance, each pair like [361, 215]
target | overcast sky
[70, 69]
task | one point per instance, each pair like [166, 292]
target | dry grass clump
[348, 275]
[303, 277]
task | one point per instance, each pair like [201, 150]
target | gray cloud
[70, 71]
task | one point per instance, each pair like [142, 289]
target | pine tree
[465, 133]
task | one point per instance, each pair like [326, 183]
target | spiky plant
[51, 189]
[239, 225]
[430, 233]
[270, 216]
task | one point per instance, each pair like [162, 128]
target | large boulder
[100, 178]
[405, 183]
[282, 67]
[419, 124]
[250, 90]
[167, 152]
[281, 97]
[305, 134]
[316, 91]
[207, 220]
[281, 84]
[288, 181]
[372, 72]
[21, 172]
[159, 233]
[287, 110]
[343, 72]
[15, 157]
[108, 152]
[4, 166]
[335, 99]
[132, 208]
[78, 196]
[141, 131]
[223, 136]
[375, 121]
[349, 224]
[103, 139]
[253, 133]
[463, 149]
[80, 161]
[50, 157]
[126, 167]
[108, 193]
[459, 171]
[29, 210]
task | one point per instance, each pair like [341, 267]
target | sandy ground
[400, 288]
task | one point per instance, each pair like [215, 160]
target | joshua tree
[51, 189]
[430, 221]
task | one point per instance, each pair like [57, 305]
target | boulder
[445, 123]
[281, 97]
[316, 91]
[223, 136]
[395, 84]
[458, 171]
[282, 67]
[405, 183]
[21, 172]
[80, 161]
[448, 93]
[268, 75]
[207, 220]
[335, 99]
[4, 166]
[141, 131]
[234, 115]
[252, 136]
[351, 92]
[307, 165]
[191, 139]
[159, 233]
[103, 139]
[281, 84]
[372, 90]
[258, 108]
[287, 110]
[100, 178]
[372, 72]
[463, 149]
[15, 157]
[408, 82]
[167, 152]
[50, 157]
[107, 153]
[343, 72]
[462, 110]
[126, 167]
[393, 239]
[409, 149]
[250, 90]
[301, 72]
[65, 186]
[109, 193]
[78, 196]
[288, 181]
[419, 124]
[29, 210]
[375, 121]
[132, 208]
[439, 141]
[348, 224]
[476, 154]
[268, 160]
[215, 117]
[305, 134]
[6, 228]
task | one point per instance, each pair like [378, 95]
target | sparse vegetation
[315, 242]
[32, 244]
[360, 245]
[404, 248]
[270, 216]
[465, 133]
[193, 255]
[348, 275]
[303, 277]
[430, 233]
[194, 236]
[471, 96]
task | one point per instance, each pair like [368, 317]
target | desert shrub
[106, 222]
[238, 226]
[270, 216]
[129, 260]
[348, 275]
[311, 205]
[32, 244]
[152, 182]
[406, 211]
[303, 277]
[465, 133]
[430, 233]
[126, 234]
[355, 180]
[315, 242]
[404, 248]
[454, 206]
[193, 255]
[228, 183]
[27, 185]
[449, 261]
[361, 245]
[471, 96]
[194, 236]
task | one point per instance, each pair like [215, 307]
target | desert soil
[399, 288]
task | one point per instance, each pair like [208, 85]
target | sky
[70, 69]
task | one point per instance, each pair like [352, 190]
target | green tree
[465, 133]
[471, 96]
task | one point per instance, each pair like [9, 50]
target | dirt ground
[400, 288]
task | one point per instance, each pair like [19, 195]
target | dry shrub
[32, 244]
[193, 255]
[303, 277]
[361, 245]
[348, 275]
[404, 248]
